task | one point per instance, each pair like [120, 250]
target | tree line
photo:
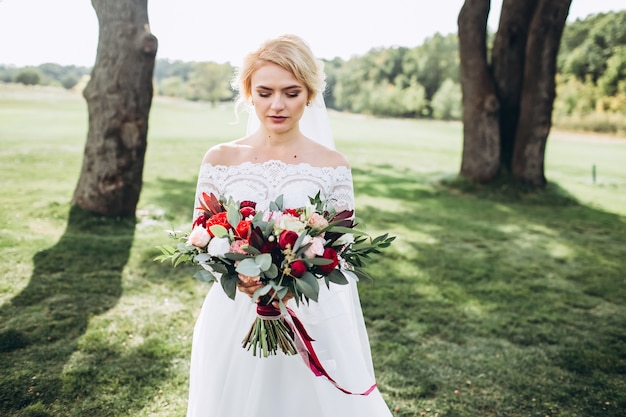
[414, 82]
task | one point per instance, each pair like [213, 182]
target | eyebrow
[291, 87]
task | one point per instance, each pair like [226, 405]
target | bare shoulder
[223, 153]
[323, 156]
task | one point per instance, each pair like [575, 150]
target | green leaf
[337, 277]
[252, 250]
[264, 261]
[218, 267]
[229, 284]
[249, 267]
[272, 272]
[233, 215]
[306, 289]
[277, 205]
[317, 261]
[361, 274]
[205, 276]
[311, 282]
[298, 242]
[264, 290]
[233, 256]
[218, 231]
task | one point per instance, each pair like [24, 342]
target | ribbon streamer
[304, 345]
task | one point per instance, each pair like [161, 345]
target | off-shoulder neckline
[274, 162]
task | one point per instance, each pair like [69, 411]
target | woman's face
[279, 98]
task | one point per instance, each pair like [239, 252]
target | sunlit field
[493, 301]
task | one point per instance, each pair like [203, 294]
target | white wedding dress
[228, 381]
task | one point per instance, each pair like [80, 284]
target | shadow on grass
[74, 280]
[520, 292]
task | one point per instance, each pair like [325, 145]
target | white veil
[314, 124]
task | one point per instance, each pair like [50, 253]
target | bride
[288, 151]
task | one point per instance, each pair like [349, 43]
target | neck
[279, 140]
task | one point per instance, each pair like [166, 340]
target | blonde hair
[289, 52]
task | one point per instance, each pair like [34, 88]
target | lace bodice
[263, 182]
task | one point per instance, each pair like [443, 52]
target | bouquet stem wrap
[271, 331]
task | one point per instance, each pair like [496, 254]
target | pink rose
[316, 248]
[317, 221]
[199, 237]
[238, 245]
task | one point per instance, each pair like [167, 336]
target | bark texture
[519, 80]
[119, 96]
[535, 117]
[481, 130]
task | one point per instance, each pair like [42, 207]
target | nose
[277, 103]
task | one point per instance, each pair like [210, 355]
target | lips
[277, 118]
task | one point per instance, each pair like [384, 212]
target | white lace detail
[263, 182]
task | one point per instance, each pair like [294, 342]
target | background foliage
[418, 82]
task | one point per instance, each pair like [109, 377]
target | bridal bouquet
[288, 251]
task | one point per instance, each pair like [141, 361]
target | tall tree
[508, 96]
[119, 96]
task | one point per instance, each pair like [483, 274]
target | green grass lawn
[493, 301]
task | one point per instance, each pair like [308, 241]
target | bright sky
[66, 31]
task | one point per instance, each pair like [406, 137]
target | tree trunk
[119, 96]
[518, 96]
[508, 60]
[481, 131]
[535, 117]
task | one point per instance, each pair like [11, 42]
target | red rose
[247, 203]
[243, 229]
[292, 212]
[329, 253]
[247, 211]
[273, 249]
[200, 221]
[220, 219]
[287, 237]
[298, 268]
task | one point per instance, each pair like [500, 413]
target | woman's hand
[249, 285]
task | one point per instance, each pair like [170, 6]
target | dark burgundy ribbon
[303, 339]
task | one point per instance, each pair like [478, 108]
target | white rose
[345, 239]
[199, 237]
[218, 246]
[294, 224]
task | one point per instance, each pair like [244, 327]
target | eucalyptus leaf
[264, 290]
[272, 272]
[233, 256]
[218, 231]
[202, 258]
[264, 261]
[249, 267]
[233, 215]
[251, 250]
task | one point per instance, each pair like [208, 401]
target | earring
[308, 103]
